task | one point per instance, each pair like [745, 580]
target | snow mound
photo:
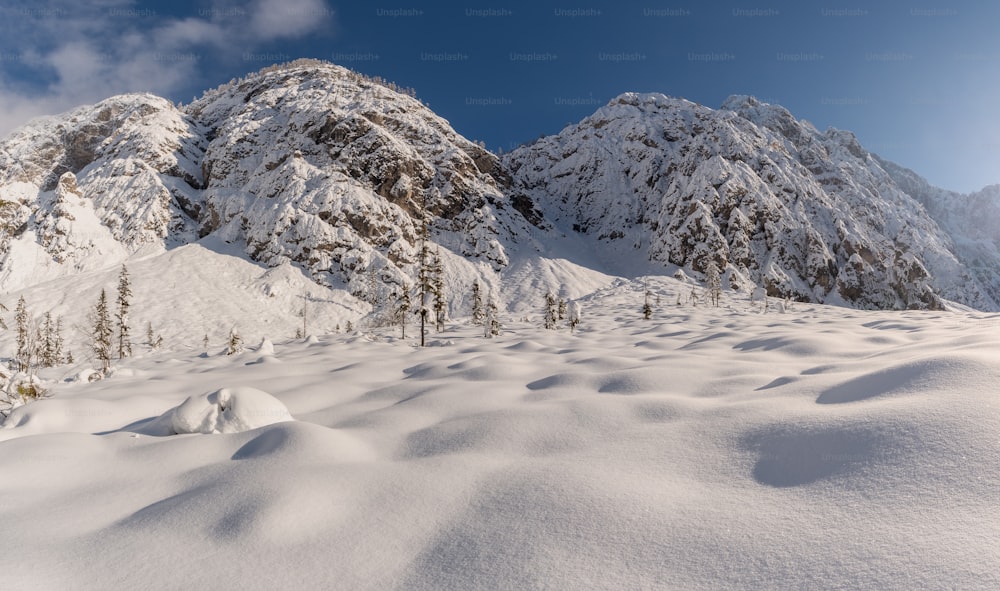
[304, 442]
[922, 376]
[229, 410]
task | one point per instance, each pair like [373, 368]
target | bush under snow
[229, 410]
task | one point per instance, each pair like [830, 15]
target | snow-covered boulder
[229, 410]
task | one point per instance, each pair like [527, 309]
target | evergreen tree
[47, 350]
[561, 311]
[204, 342]
[59, 342]
[102, 332]
[437, 289]
[304, 313]
[491, 318]
[235, 342]
[154, 340]
[478, 313]
[714, 283]
[551, 311]
[124, 301]
[403, 305]
[22, 322]
[424, 281]
[647, 309]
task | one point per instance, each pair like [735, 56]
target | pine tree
[204, 342]
[124, 301]
[424, 285]
[102, 332]
[647, 309]
[561, 312]
[59, 342]
[403, 305]
[714, 283]
[437, 289]
[304, 313]
[47, 350]
[235, 342]
[478, 314]
[22, 322]
[154, 340]
[551, 311]
[492, 318]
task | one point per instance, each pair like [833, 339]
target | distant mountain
[313, 164]
[811, 215]
[973, 221]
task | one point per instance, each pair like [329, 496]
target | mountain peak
[306, 162]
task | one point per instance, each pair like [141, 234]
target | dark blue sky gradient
[915, 81]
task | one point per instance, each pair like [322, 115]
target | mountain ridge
[809, 214]
[313, 164]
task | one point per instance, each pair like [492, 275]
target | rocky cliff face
[324, 167]
[772, 201]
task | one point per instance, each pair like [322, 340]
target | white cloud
[190, 31]
[83, 55]
[277, 19]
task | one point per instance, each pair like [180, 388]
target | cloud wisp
[58, 54]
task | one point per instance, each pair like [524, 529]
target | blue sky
[916, 81]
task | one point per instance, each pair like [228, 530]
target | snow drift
[704, 448]
[228, 410]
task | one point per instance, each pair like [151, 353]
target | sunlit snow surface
[821, 448]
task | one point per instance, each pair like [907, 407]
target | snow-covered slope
[770, 199]
[823, 448]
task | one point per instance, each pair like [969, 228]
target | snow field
[702, 449]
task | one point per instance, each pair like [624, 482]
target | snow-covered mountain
[307, 162]
[811, 215]
[973, 220]
[313, 164]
